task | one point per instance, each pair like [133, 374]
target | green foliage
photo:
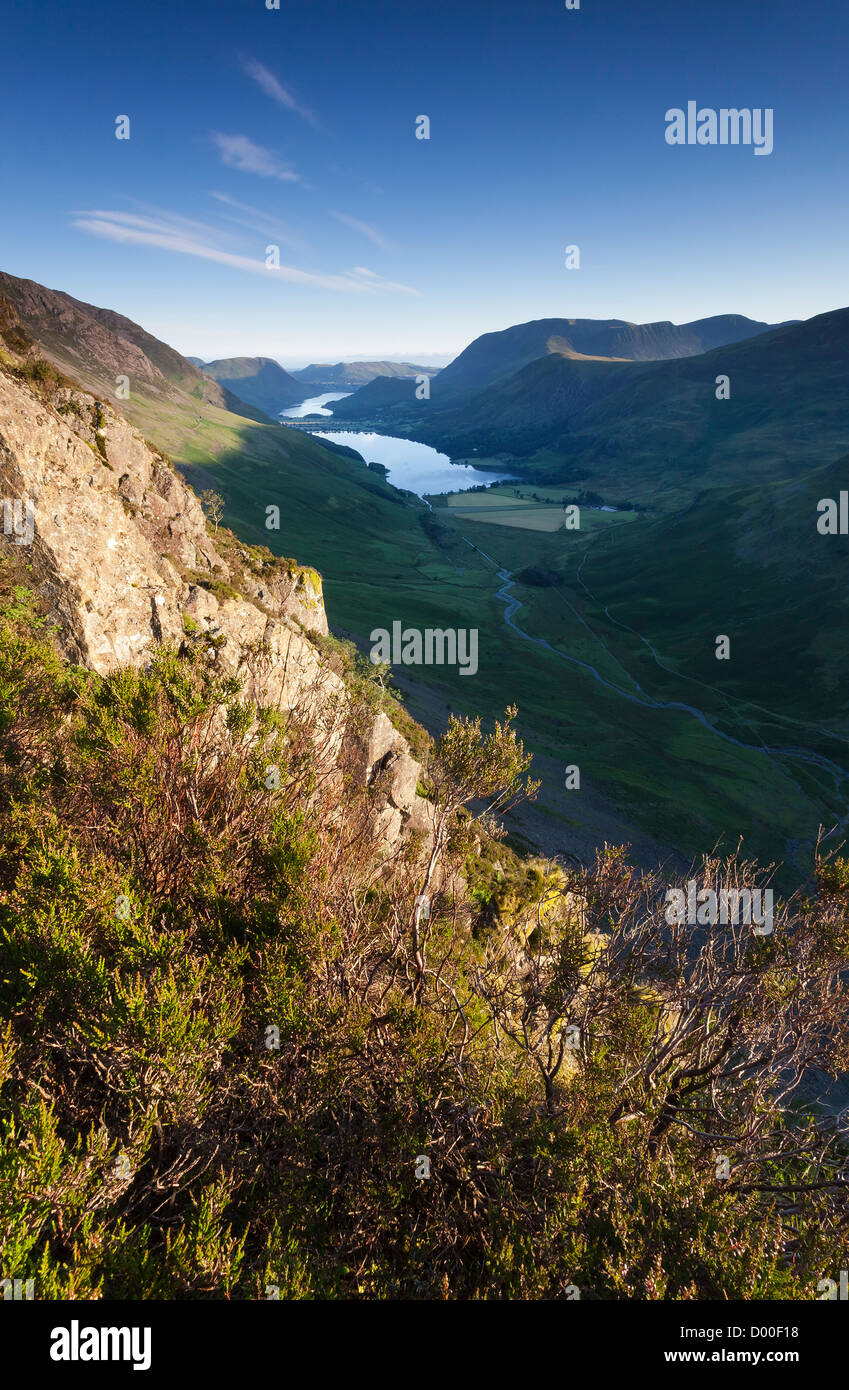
[833, 877]
[213, 505]
[36, 370]
[216, 1078]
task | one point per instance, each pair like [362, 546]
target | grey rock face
[122, 554]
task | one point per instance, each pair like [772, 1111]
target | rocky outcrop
[385, 763]
[122, 554]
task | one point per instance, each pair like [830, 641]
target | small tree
[213, 506]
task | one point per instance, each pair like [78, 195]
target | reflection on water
[313, 405]
[416, 467]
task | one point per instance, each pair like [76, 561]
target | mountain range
[262, 382]
[786, 403]
[494, 358]
[652, 424]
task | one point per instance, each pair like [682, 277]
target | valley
[670, 753]
[697, 517]
[738, 748]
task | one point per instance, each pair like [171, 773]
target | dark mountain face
[97, 346]
[786, 411]
[495, 356]
[258, 380]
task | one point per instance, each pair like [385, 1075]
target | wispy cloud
[241, 153]
[274, 88]
[155, 220]
[178, 234]
[364, 229]
[244, 215]
[370, 280]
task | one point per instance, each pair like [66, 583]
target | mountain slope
[663, 425]
[356, 528]
[97, 346]
[258, 380]
[284, 489]
[534, 404]
[376, 399]
[749, 561]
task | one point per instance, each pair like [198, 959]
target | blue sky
[253, 127]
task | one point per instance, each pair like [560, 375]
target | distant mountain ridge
[262, 382]
[355, 374]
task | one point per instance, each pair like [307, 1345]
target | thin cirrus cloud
[244, 215]
[239, 152]
[274, 88]
[369, 279]
[170, 232]
[364, 229]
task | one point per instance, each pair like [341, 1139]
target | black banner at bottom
[85, 1341]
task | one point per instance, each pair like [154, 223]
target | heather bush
[228, 1039]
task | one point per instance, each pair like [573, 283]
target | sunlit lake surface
[416, 467]
[313, 405]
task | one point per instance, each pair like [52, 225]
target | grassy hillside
[683, 764]
[380, 398]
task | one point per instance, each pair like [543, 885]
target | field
[526, 508]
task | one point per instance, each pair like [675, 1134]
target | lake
[416, 467]
[313, 405]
